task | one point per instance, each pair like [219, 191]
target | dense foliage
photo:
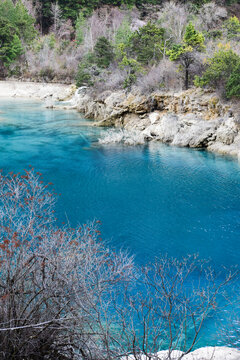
[103, 52]
[146, 43]
[233, 83]
[222, 71]
[17, 16]
[16, 29]
[11, 46]
[71, 8]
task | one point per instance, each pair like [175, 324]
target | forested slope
[107, 45]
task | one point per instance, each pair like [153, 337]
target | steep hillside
[110, 45]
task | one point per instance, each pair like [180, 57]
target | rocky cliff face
[193, 118]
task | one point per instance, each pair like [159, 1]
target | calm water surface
[151, 199]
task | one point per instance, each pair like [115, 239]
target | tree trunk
[187, 78]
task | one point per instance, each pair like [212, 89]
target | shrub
[51, 41]
[232, 25]
[112, 79]
[11, 47]
[174, 19]
[132, 68]
[83, 77]
[80, 28]
[18, 17]
[123, 33]
[211, 15]
[47, 73]
[222, 71]
[62, 59]
[214, 34]
[103, 52]
[163, 76]
[145, 44]
[233, 84]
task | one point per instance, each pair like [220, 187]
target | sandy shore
[41, 91]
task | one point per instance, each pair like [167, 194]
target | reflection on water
[151, 199]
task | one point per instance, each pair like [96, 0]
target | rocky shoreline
[193, 118]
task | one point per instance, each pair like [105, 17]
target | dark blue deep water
[150, 199]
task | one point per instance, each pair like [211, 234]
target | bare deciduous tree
[55, 283]
[160, 77]
[56, 15]
[65, 295]
[174, 18]
[173, 301]
[211, 15]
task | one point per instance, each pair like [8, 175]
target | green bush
[83, 77]
[123, 33]
[232, 25]
[11, 47]
[103, 52]
[132, 67]
[222, 71]
[47, 73]
[213, 34]
[80, 26]
[51, 41]
[19, 19]
[193, 38]
[233, 84]
[16, 29]
[145, 44]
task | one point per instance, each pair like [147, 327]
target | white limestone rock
[154, 117]
[164, 355]
[227, 131]
[114, 99]
[214, 353]
[205, 353]
[197, 134]
[165, 130]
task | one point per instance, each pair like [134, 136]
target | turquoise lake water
[151, 199]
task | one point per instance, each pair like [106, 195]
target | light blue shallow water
[151, 199]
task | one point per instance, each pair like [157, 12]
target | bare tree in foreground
[174, 299]
[53, 281]
[65, 295]
[229, 331]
